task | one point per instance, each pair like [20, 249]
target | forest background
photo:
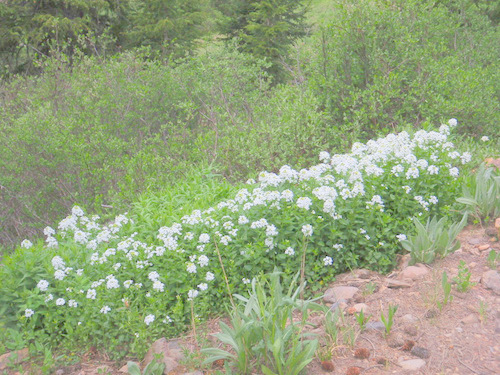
[126, 105]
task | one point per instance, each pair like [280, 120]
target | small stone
[337, 293]
[413, 273]
[363, 274]
[341, 304]
[470, 319]
[391, 283]
[361, 307]
[420, 352]
[474, 241]
[412, 364]
[491, 280]
[375, 326]
[193, 373]
[170, 351]
[459, 329]
[472, 264]
[484, 247]
[124, 369]
[59, 372]
[497, 223]
[408, 318]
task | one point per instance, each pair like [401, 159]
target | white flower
[338, 246]
[72, 303]
[79, 272]
[112, 283]
[191, 268]
[485, 138]
[28, 313]
[242, 220]
[203, 261]
[324, 156]
[452, 122]
[43, 285]
[401, 237]
[271, 231]
[58, 263]
[307, 229]
[433, 199]
[466, 157]
[49, 297]
[290, 251]
[26, 244]
[269, 242]
[153, 276]
[77, 211]
[128, 283]
[204, 238]
[245, 280]
[454, 172]
[149, 319]
[192, 294]
[59, 275]
[60, 301]
[327, 261]
[412, 172]
[81, 237]
[48, 231]
[432, 169]
[202, 286]
[91, 294]
[407, 189]
[105, 309]
[209, 276]
[304, 202]
[158, 286]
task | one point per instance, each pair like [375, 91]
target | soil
[463, 337]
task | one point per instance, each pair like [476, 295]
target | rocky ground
[461, 337]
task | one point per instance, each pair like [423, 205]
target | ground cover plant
[108, 285]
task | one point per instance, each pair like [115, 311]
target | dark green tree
[31, 29]
[265, 28]
[169, 27]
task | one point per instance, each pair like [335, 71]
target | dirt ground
[463, 337]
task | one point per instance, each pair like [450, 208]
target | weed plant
[264, 334]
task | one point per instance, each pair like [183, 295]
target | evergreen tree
[265, 28]
[167, 26]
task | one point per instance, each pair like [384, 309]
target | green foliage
[265, 28]
[481, 194]
[463, 278]
[389, 320]
[378, 65]
[433, 240]
[168, 27]
[153, 368]
[362, 320]
[263, 330]
[446, 285]
[493, 259]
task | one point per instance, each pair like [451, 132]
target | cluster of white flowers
[321, 193]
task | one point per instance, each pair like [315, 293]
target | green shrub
[139, 273]
[433, 240]
[264, 333]
[377, 65]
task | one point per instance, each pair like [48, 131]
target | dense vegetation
[162, 108]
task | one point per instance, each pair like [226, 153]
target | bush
[349, 211]
[380, 64]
